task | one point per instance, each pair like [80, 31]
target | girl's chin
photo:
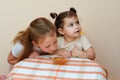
[77, 35]
[51, 52]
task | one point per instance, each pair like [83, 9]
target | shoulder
[82, 37]
[60, 38]
[16, 49]
[85, 42]
[18, 44]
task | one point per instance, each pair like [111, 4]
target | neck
[68, 40]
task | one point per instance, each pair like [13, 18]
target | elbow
[10, 62]
[92, 58]
[11, 59]
[91, 55]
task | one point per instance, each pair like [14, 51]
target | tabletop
[43, 68]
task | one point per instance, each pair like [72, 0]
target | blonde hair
[38, 29]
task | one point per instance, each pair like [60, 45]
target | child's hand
[34, 55]
[64, 53]
[76, 52]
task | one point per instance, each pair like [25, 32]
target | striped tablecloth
[44, 69]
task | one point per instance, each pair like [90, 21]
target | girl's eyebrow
[47, 46]
[71, 22]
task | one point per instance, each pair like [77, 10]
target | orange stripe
[38, 59]
[31, 76]
[70, 64]
[32, 68]
[80, 61]
[55, 79]
[46, 77]
[21, 79]
[58, 70]
[22, 67]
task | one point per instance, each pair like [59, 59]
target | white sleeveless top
[16, 49]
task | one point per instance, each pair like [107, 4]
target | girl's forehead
[71, 19]
[47, 39]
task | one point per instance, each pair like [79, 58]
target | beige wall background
[100, 20]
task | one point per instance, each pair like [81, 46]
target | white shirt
[16, 49]
[81, 42]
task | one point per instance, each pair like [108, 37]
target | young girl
[39, 38]
[70, 41]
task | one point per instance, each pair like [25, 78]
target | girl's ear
[60, 30]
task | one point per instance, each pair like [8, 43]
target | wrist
[81, 54]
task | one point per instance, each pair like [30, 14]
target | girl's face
[71, 28]
[49, 44]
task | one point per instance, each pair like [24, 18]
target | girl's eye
[55, 42]
[77, 22]
[47, 46]
[71, 24]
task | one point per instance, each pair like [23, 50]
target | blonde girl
[38, 39]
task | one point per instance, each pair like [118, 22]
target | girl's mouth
[78, 31]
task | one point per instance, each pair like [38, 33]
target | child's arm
[34, 55]
[11, 59]
[64, 53]
[89, 53]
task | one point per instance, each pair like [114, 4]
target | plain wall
[100, 20]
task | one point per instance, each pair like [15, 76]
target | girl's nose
[76, 26]
[54, 48]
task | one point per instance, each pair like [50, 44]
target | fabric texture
[16, 49]
[81, 42]
[44, 69]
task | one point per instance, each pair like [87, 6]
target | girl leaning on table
[70, 42]
[38, 39]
